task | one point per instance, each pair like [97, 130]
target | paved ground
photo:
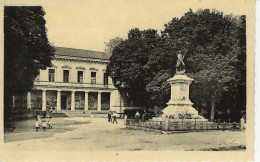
[96, 134]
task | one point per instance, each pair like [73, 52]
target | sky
[88, 24]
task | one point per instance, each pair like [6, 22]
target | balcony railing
[72, 84]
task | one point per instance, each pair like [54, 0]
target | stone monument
[180, 105]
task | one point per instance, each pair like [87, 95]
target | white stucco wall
[73, 72]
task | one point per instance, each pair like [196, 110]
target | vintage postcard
[130, 80]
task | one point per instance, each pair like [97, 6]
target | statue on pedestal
[180, 66]
[179, 106]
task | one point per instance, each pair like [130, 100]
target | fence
[168, 125]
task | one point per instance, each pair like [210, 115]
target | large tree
[210, 41]
[112, 44]
[128, 61]
[26, 49]
[214, 46]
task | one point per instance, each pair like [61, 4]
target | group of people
[142, 117]
[43, 123]
[112, 116]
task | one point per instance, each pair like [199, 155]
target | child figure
[44, 125]
[49, 122]
[37, 125]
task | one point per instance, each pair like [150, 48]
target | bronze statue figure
[180, 66]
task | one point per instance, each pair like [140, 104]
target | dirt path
[99, 135]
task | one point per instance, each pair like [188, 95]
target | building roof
[62, 51]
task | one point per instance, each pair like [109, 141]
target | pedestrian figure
[49, 122]
[109, 116]
[142, 118]
[84, 114]
[44, 125]
[37, 125]
[39, 118]
[137, 116]
[114, 116]
[242, 123]
[125, 119]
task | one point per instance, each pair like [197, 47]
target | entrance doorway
[92, 100]
[105, 101]
[63, 102]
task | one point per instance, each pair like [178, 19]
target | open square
[91, 134]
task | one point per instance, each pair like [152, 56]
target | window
[80, 76]
[105, 78]
[93, 77]
[51, 75]
[66, 74]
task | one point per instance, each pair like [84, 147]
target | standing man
[114, 116]
[242, 123]
[125, 119]
[109, 116]
[137, 116]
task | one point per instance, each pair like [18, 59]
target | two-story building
[76, 81]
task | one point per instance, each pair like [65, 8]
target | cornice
[71, 59]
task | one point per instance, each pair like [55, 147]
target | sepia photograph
[129, 76]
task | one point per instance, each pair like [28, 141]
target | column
[72, 101]
[29, 103]
[99, 101]
[44, 100]
[58, 100]
[13, 104]
[86, 100]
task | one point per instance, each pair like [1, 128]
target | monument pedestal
[180, 103]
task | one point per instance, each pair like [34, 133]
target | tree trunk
[212, 111]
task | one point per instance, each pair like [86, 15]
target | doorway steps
[76, 113]
[98, 114]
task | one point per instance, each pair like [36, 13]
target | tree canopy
[112, 44]
[26, 49]
[214, 46]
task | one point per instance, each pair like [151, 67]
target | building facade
[76, 81]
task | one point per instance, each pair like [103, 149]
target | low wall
[169, 125]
